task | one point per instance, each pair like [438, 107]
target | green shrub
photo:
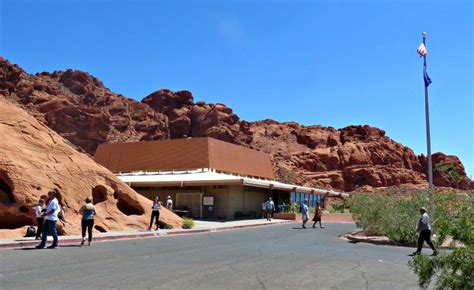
[188, 223]
[453, 269]
[168, 227]
[292, 208]
[338, 207]
[448, 169]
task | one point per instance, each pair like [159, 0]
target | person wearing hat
[169, 203]
[424, 228]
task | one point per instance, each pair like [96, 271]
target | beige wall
[236, 200]
[253, 201]
[221, 201]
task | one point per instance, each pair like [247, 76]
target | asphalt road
[273, 257]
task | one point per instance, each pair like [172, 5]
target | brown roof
[182, 154]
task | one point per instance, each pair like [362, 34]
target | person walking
[264, 209]
[318, 213]
[155, 212]
[39, 218]
[424, 228]
[169, 203]
[304, 213]
[88, 212]
[269, 208]
[51, 217]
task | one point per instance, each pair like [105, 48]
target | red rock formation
[35, 159]
[82, 110]
[79, 107]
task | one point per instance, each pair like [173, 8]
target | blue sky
[333, 63]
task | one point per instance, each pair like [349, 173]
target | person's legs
[429, 242]
[421, 238]
[151, 219]
[157, 218]
[54, 233]
[90, 226]
[320, 224]
[83, 231]
[44, 235]
[40, 227]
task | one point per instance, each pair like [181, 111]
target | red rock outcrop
[79, 107]
[82, 110]
[35, 159]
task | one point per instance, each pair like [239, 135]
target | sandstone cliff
[35, 159]
[79, 107]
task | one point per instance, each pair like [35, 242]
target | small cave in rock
[129, 209]
[23, 209]
[6, 191]
[100, 229]
[12, 221]
[99, 194]
[360, 180]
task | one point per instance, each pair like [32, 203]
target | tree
[455, 268]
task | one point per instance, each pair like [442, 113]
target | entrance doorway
[191, 202]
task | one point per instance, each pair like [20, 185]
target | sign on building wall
[208, 200]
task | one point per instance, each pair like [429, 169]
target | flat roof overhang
[210, 177]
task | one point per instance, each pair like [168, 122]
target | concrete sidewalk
[199, 227]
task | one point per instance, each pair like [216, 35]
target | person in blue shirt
[304, 213]
[270, 207]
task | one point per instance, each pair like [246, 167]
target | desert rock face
[35, 159]
[79, 107]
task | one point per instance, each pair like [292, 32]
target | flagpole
[428, 139]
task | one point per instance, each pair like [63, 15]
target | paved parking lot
[273, 257]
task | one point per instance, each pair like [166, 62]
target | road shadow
[26, 249]
[299, 228]
[70, 246]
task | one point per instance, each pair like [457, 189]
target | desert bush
[338, 207]
[292, 208]
[188, 223]
[448, 169]
[453, 269]
[396, 216]
[388, 215]
[168, 227]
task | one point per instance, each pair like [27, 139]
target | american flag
[422, 50]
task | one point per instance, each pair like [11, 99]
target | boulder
[35, 159]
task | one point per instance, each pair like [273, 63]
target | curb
[373, 241]
[27, 244]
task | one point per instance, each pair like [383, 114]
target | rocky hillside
[35, 159]
[81, 109]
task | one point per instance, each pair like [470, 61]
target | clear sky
[333, 63]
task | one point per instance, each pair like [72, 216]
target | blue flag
[426, 77]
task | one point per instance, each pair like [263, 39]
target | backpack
[30, 231]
